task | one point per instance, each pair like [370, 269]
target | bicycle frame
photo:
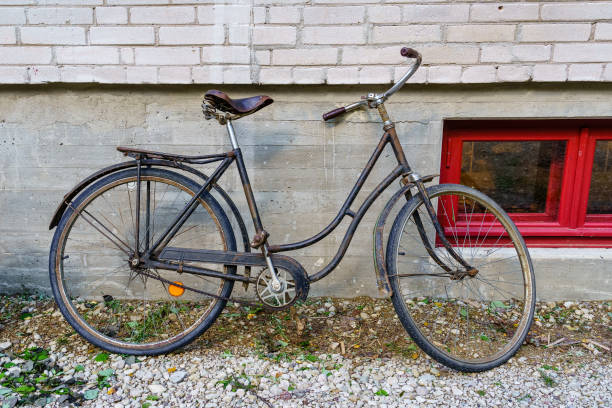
[401, 170]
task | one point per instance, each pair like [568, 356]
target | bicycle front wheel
[131, 309]
[470, 318]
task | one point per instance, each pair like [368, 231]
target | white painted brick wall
[300, 41]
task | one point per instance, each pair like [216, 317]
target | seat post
[232, 134]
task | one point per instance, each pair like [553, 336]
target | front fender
[59, 212]
[380, 264]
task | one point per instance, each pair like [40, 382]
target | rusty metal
[259, 239]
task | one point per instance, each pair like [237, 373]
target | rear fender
[59, 212]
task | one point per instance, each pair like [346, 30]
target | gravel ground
[572, 373]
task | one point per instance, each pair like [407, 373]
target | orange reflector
[176, 291]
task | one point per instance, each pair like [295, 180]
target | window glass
[600, 193]
[522, 176]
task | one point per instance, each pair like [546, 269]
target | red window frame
[572, 227]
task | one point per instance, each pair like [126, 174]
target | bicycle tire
[77, 245]
[430, 318]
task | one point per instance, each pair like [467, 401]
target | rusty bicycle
[147, 251]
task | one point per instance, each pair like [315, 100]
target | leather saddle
[245, 106]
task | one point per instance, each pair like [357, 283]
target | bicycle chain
[240, 301]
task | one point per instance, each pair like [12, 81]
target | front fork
[416, 179]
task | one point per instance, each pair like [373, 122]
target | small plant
[547, 379]
[481, 392]
[101, 357]
[381, 393]
[240, 382]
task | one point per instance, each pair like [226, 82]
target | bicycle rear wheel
[136, 310]
[469, 323]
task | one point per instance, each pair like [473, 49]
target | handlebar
[405, 52]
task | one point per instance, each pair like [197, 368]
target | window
[553, 177]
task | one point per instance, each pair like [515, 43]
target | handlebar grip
[332, 114]
[409, 53]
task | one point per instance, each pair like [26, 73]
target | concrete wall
[301, 168]
[303, 42]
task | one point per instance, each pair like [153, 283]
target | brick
[371, 56]
[189, 35]
[478, 74]
[444, 74]
[60, 15]
[406, 33]
[126, 56]
[141, 75]
[87, 55]
[76, 74]
[13, 15]
[513, 73]
[449, 54]
[603, 31]
[512, 53]
[238, 34]
[275, 76]
[174, 75]
[333, 35]
[58, 2]
[344, 75]
[25, 55]
[585, 72]
[549, 73]
[259, 15]
[419, 77]
[236, 74]
[43, 74]
[226, 54]
[137, 2]
[284, 15]
[607, 75]
[162, 15]
[580, 11]
[505, 12]
[554, 32]
[439, 13]
[121, 35]
[207, 75]
[109, 74]
[274, 35]
[111, 15]
[308, 75]
[224, 14]
[8, 35]
[52, 35]
[582, 52]
[480, 33]
[167, 56]
[375, 75]
[13, 75]
[334, 15]
[318, 56]
[262, 57]
[384, 14]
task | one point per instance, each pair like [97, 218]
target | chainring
[293, 288]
